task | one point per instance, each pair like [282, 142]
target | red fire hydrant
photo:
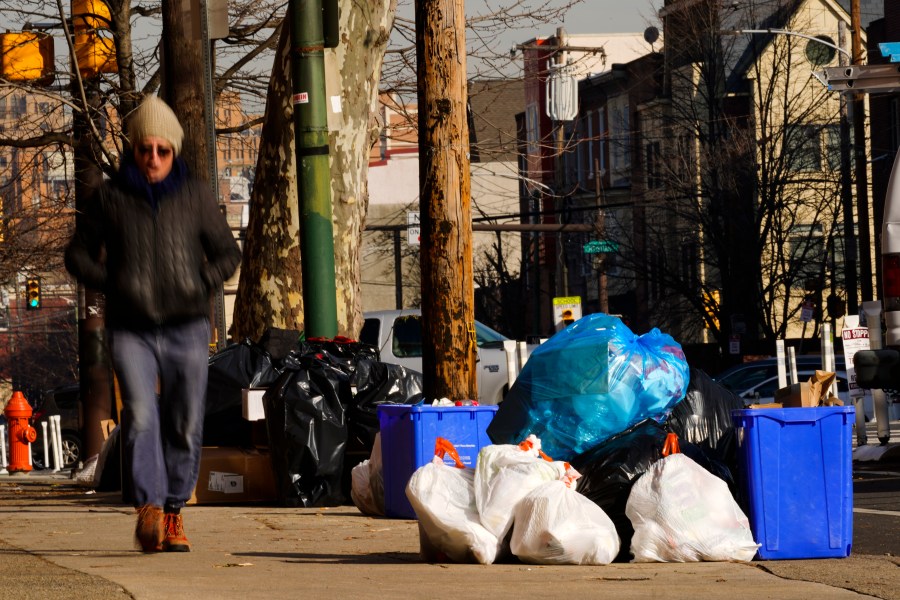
[21, 433]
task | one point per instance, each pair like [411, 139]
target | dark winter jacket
[156, 251]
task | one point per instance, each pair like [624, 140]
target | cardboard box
[252, 404]
[234, 475]
[807, 394]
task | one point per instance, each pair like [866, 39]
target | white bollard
[53, 444]
[3, 462]
[46, 444]
[792, 364]
[523, 354]
[782, 370]
[58, 419]
[509, 347]
[872, 309]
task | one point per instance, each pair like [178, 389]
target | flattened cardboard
[234, 475]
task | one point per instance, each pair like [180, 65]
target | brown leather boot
[175, 540]
[149, 532]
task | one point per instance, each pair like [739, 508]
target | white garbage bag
[505, 473]
[683, 513]
[367, 482]
[443, 498]
[556, 525]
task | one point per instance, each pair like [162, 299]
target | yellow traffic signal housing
[95, 54]
[26, 56]
[95, 50]
[33, 293]
[90, 14]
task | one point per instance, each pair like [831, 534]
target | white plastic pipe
[509, 347]
[46, 444]
[872, 309]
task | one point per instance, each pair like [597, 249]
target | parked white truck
[398, 336]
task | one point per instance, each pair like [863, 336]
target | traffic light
[95, 49]
[33, 293]
[26, 56]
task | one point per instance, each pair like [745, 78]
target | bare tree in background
[740, 210]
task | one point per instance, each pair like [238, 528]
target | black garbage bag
[231, 369]
[307, 429]
[703, 418]
[379, 383]
[609, 470]
[341, 352]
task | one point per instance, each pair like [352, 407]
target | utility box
[795, 468]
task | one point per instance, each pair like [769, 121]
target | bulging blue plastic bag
[587, 383]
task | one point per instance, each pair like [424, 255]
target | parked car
[66, 402]
[756, 381]
[398, 336]
[744, 376]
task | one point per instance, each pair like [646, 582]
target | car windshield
[487, 337]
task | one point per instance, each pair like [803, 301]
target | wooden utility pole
[448, 297]
[861, 162]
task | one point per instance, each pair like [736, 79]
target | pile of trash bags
[518, 501]
[604, 403]
[320, 406]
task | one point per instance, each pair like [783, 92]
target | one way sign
[412, 228]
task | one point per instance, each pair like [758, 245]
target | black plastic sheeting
[315, 423]
[703, 418]
[233, 368]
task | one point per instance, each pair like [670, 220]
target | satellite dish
[651, 34]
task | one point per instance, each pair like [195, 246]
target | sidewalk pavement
[268, 552]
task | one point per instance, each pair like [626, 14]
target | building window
[807, 253]
[653, 166]
[619, 140]
[804, 147]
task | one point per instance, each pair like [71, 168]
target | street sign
[412, 228]
[890, 50]
[600, 246]
[806, 311]
[566, 310]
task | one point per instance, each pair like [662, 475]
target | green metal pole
[313, 170]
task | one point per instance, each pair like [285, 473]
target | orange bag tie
[671, 445]
[443, 446]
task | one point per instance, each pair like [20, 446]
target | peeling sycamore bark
[270, 290]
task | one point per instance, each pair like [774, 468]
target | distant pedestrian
[154, 241]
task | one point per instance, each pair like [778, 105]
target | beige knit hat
[154, 118]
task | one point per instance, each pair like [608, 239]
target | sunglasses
[149, 149]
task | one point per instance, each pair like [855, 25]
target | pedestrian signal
[33, 293]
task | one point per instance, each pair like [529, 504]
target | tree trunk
[270, 288]
[448, 303]
[182, 68]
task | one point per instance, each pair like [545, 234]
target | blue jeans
[162, 433]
